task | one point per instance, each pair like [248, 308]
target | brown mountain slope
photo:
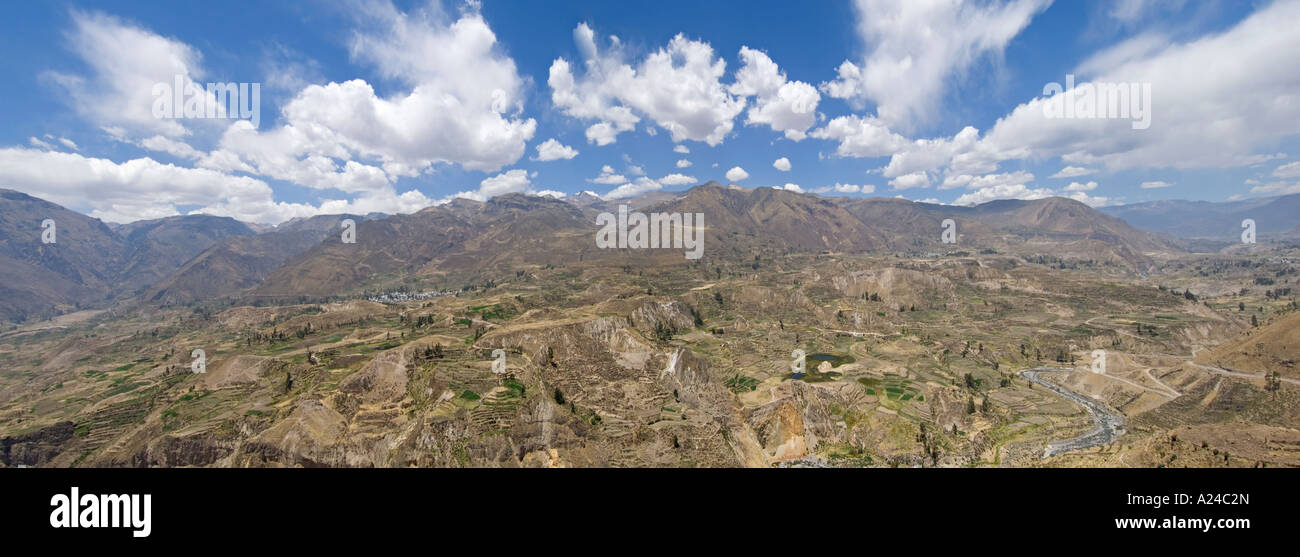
[466, 240]
[911, 226]
[1067, 229]
[90, 263]
[241, 262]
[442, 242]
[37, 279]
[1065, 219]
[738, 219]
[1275, 346]
[156, 248]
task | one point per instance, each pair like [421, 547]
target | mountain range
[1274, 217]
[89, 263]
[193, 258]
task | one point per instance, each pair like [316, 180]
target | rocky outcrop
[685, 373]
[310, 436]
[794, 423]
[201, 449]
[37, 447]
[654, 318]
[896, 287]
[382, 378]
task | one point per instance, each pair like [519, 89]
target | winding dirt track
[1256, 376]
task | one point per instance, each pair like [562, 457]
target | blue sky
[391, 107]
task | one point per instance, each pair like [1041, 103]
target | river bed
[1108, 425]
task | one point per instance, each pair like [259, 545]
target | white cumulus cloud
[678, 87]
[916, 47]
[1076, 186]
[1073, 172]
[462, 107]
[510, 181]
[125, 63]
[1016, 191]
[861, 137]
[1289, 170]
[1247, 107]
[552, 150]
[846, 188]
[609, 177]
[641, 186]
[786, 106]
[1277, 188]
[677, 180]
[908, 181]
[140, 188]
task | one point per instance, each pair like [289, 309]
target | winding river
[1107, 424]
